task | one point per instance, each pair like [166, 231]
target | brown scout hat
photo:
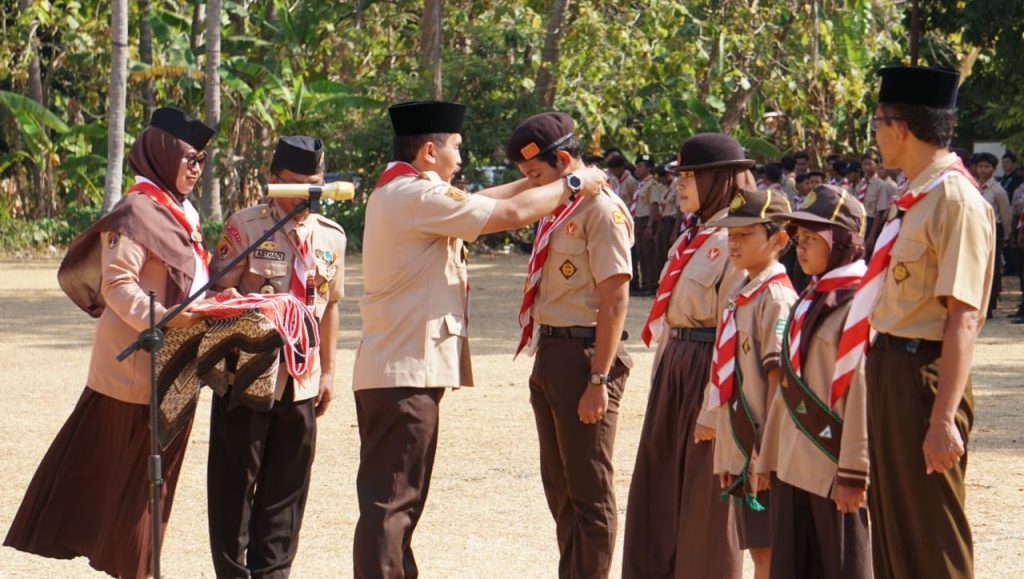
[537, 135]
[829, 205]
[751, 207]
[710, 151]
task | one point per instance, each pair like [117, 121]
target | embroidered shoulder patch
[456, 194]
[780, 327]
[233, 231]
[618, 217]
[714, 253]
[223, 248]
[570, 228]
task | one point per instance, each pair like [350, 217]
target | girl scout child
[815, 446]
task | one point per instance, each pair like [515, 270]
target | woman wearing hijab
[89, 496]
[815, 443]
[676, 526]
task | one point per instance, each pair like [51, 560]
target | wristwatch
[574, 183]
[598, 379]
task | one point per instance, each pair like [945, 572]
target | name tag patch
[267, 254]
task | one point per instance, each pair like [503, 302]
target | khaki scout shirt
[590, 246]
[670, 201]
[759, 328]
[625, 187]
[787, 451]
[129, 271]
[647, 195]
[996, 196]
[704, 287]
[944, 249]
[269, 269]
[415, 304]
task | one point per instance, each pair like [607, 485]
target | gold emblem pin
[323, 288]
[197, 237]
[809, 200]
[267, 289]
[900, 272]
[568, 269]
[456, 194]
[268, 245]
[736, 202]
[618, 218]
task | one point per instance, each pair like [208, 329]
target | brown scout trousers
[575, 458]
[813, 540]
[663, 238]
[919, 526]
[676, 526]
[398, 434]
[646, 253]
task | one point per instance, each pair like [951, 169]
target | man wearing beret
[572, 314]
[925, 294]
[415, 311]
[259, 461]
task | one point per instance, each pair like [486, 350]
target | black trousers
[257, 481]
[398, 440]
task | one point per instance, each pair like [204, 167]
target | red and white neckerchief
[847, 276]
[394, 170]
[684, 251]
[293, 320]
[861, 190]
[853, 343]
[536, 265]
[723, 361]
[162, 198]
[635, 202]
[303, 283]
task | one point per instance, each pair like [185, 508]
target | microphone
[336, 190]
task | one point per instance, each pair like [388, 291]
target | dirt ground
[486, 515]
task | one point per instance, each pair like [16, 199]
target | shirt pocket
[698, 281]
[450, 325]
[263, 270]
[568, 256]
[908, 269]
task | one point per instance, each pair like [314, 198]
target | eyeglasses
[875, 122]
[681, 175]
[195, 160]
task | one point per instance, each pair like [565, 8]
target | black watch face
[574, 181]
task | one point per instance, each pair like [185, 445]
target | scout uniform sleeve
[450, 212]
[608, 242]
[337, 290]
[964, 251]
[230, 245]
[1003, 203]
[122, 260]
[853, 448]
[772, 324]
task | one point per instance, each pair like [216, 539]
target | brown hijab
[715, 188]
[156, 155]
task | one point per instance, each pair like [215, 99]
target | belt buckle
[913, 345]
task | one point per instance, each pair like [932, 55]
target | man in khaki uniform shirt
[257, 533]
[993, 192]
[646, 216]
[668, 225]
[415, 311]
[581, 366]
[928, 314]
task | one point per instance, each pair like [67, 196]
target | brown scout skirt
[676, 526]
[90, 495]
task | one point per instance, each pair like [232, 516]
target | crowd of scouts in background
[814, 333]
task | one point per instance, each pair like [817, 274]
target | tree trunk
[198, 13]
[146, 56]
[34, 91]
[546, 85]
[116, 103]
[211, 182]
[430, 45]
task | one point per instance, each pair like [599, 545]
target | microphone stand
[152, 339]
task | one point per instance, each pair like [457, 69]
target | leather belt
[584, 332]
[912, 345]
[706, 335]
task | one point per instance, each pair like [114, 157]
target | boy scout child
[415, 311]
[646, 216]
[675, 526]
[272, 451]
[815, 444]
[746, 367]
[574, 307]
[925, 293]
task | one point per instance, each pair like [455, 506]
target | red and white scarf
[853, 343]
[293, 320]
[847, 276]
[304, 267]
[394, 170]
[723, 361]
[861, 190]
[536, 265]
[684, 251]
[162, 198]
